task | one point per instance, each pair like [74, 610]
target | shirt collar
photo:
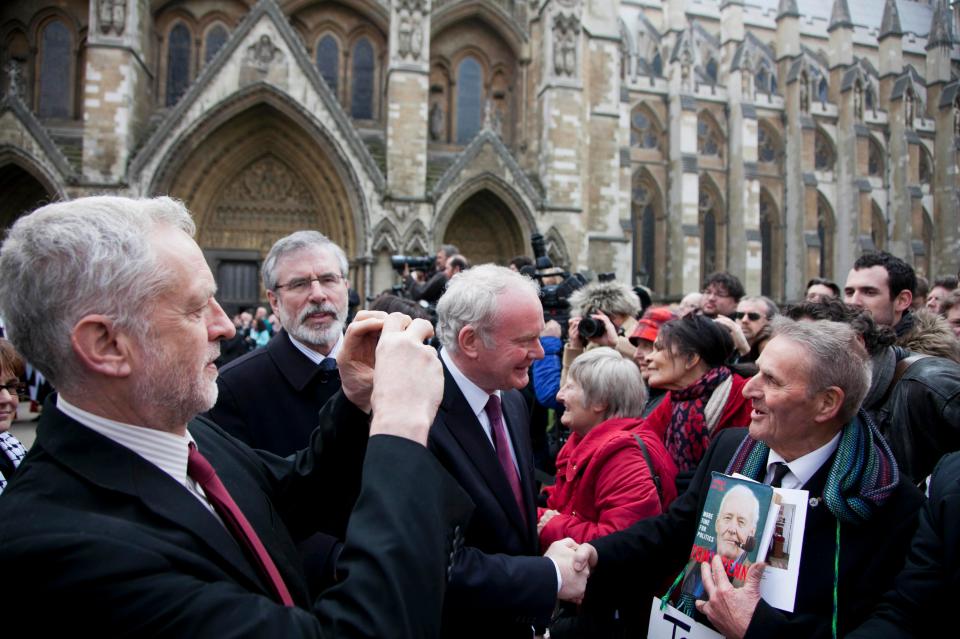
[806, 466]
[164, 450]
[313, 355]
[475, 396]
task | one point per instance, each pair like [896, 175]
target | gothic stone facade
[660, 140]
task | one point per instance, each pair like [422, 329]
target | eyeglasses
[753, 317]
[715, 293]
[301, 285]
[16, 388]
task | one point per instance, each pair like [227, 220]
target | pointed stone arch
[416, 241]
[261, 131]
[385, 237]
[508, 209]
[826, 232]
[772, 257]
[712, 224]
[557, 248]
[649, 230]
[24, 184]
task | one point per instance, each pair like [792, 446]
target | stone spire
[941, 33]
[890, 25]
[787, 8]
[840, 16]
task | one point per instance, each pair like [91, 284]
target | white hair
[740, 490]
[471, 299]
[71, 259]
[293, 243]
[606, 377]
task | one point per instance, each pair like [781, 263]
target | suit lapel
[113, 467]
[467, 431]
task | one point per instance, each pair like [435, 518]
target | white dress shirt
[801, 468]
[313, 355]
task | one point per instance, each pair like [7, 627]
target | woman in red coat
[604, 483]
[689, 360]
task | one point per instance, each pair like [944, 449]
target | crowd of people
[455, 461]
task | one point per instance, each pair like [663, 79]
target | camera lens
[590, 327]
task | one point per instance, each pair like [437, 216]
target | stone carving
[908, 108]
[436, 122]
[686, 68]
[263, 53]
[858, 101]
[410, 28]
[112, 16]
[566, 31]
[956, 118]
[266, 195]
[804, 93]
[14, 71]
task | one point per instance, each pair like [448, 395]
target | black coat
[920, 416]
[270, 398]
[500, 586]
[921, 602]
[639, 563]
[106, 542]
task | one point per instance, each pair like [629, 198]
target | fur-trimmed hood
[613, 298]
[931, 335]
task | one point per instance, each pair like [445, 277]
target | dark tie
[328, 364]
[780, 470]
[203, 473]
[500, 442]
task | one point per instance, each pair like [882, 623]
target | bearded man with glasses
[270, 397]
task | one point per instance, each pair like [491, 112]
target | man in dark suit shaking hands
[140, 519]
[489, 323]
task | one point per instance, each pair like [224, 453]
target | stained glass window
[708, 139]
[766, 245]
[643, 132]
[822, 90]
[657, 65]
[55, 45]
[874, 160]
[178, 63]
[469, 99]
[712, 71]
[822, 152]
[328, 61]
[361, 102]
[766, 145]
[216, 38]
[926, 167]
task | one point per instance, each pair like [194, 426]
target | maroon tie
[203, 473]
[503, 448]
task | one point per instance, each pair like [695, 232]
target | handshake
[574, 562]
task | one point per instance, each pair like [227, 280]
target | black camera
[424, 263]
[591, 327]
[554, 297]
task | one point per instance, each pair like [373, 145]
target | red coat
[604, 484]
[736, 412]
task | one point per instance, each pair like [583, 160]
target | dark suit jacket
[921, 603]
[107, 542]
[634, 564]
[270, 397]
[500, 586]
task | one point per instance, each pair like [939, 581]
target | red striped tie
[203, 473]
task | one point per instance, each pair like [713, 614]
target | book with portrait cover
[735, 524]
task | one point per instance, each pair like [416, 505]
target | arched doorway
[485, 229]
[253, 178]
[22, 193]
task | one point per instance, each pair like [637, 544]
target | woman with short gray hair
[612, 472]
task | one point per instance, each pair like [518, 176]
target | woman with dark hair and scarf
[11, 387]
[704, 395]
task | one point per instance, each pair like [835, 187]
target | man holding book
[805, 432]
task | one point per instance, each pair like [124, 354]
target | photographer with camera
[604, 315]
[420, 283]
